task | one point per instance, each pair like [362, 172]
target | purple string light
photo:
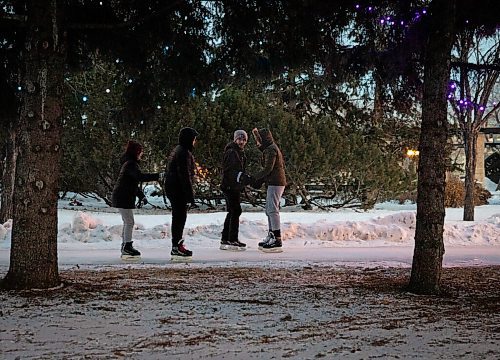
[464, 104]
[390, 20]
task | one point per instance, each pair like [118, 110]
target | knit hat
[240, 134]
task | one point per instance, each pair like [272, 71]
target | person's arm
[269, 161]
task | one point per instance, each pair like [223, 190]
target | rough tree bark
[470, 146]
[429, 248]
[8, 177]
[33, 259]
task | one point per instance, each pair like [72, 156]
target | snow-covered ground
[335, 291]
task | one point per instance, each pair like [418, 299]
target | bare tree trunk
[8, 177]
[479, 174]
[470, 142]
[33, 256]
[429, 248]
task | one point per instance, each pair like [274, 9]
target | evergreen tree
[49, 37]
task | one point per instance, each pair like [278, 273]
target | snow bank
[88, 230]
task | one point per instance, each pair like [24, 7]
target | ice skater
[126, 190]
[179, 178]
[234, 180]
[273, 175]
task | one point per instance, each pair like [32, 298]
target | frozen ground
[335, 292]
[261, 312]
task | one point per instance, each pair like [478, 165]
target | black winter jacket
[233, 163]
[180, 169]
[127, 185]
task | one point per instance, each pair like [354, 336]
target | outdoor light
[84, 99]
[108, 91]
[412, 153]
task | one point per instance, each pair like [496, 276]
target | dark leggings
[179, 216]
[232, 222]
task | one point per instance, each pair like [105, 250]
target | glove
[257, 184]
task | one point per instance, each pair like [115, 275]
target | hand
[257, 184]
[141, 202]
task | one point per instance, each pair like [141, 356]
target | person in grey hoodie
[273, 175]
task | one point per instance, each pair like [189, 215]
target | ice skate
[180, 253]
[273, 245]
[129, 253]
[232, 245]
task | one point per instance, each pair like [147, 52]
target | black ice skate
[268, 238]
[180, 253]
[129, 252]
[232, 245]
[272, 245]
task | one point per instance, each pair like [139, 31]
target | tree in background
[477, 71]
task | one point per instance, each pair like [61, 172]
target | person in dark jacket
[273, 175]
[125, 191]
[179, 177]
[234, 180]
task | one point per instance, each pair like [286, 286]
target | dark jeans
[179, 216]
[232, 222]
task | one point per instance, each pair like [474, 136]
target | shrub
[455, 193]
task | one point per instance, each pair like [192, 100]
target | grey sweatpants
[273, 198]
[128, 224]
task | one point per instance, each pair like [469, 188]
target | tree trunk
[429, 248]
[33, 256]
[479, 174]
[470, 143]
[8, 176]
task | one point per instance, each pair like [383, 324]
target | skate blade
[175, 258]
[130, 258]
[271, 250]
[232, 248]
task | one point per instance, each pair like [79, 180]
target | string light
[392, 20]
[464, 103]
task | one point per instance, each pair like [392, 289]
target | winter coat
[273, 165]
[127, 186]
[180, 169]
[233, 167]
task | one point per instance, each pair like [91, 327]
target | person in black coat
[126, 190]
[233, 182]
[179, 178]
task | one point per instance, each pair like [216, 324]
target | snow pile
[5, 232]
[79, 230]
